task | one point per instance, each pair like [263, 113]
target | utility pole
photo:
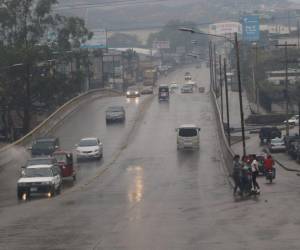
[221, 87]
[299, 117]
[210, 67]
[286, 45]
[298, 33]
[215, 68]
[227, 103]
[255, 87]
[236, 45]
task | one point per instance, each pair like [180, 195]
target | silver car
[115, 114]
[277, 145]
[89, 148]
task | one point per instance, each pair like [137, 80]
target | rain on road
[147, 195]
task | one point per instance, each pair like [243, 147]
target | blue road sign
[251, 28]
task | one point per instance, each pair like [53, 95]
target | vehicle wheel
[19, 195]
[52, 192]
[58, 191]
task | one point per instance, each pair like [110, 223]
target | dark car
[163, 92]
[44, 146]
[115, 113]
[292, 144]
[266, 134]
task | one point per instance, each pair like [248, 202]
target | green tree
[27, 53]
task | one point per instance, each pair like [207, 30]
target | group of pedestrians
[245, 172]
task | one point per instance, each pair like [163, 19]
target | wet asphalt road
[145, 194]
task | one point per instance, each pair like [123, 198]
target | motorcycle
[247, 187]
[270, 175]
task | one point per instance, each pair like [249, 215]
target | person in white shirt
[254, 168]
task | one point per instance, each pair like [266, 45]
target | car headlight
[128, 93]
[96, 150]
[136, 92]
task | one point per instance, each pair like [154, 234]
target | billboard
[225, 28]
[161, 45]
[98, 40]
[251, 28]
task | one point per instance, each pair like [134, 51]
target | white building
[278, 77]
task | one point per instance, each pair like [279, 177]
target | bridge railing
[47, 126]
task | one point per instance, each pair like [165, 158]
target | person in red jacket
[269, 163]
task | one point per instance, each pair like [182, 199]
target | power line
[117, 3]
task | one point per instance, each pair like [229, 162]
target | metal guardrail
[226, 151]
[53, 120]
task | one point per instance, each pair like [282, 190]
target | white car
[188, 136]
[294, 120]
[173, 86]
[277, 144]
[39, 179]
[89, 148]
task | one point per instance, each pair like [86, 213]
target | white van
[188, 136]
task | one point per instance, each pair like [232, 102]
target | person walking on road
[254, 168]
[236, 174]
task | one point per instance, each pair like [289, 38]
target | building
[278, 77]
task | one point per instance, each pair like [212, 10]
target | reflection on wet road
[146, 194]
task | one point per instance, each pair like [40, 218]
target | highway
[145, 194]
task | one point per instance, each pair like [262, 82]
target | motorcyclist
[236, 173]
[269, 165]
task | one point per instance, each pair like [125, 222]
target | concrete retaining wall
[226, 151]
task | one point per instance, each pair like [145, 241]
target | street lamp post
[221, 87]
[236, 47]
[227, 102]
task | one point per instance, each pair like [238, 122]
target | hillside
[118, 15]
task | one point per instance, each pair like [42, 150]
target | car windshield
[39, 161]
[61, 158]
[43, 145]
[163, 89]
[38, 172]
[276, 140]
[88, 143]
[114, 109]
[187, 132]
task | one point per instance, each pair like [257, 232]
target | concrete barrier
[226, 151]
[7, 153]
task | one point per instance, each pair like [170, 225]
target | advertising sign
[161, 45]
[225, 28]
[251, 28]
[98, 40]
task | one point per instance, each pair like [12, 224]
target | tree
[27, 54]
